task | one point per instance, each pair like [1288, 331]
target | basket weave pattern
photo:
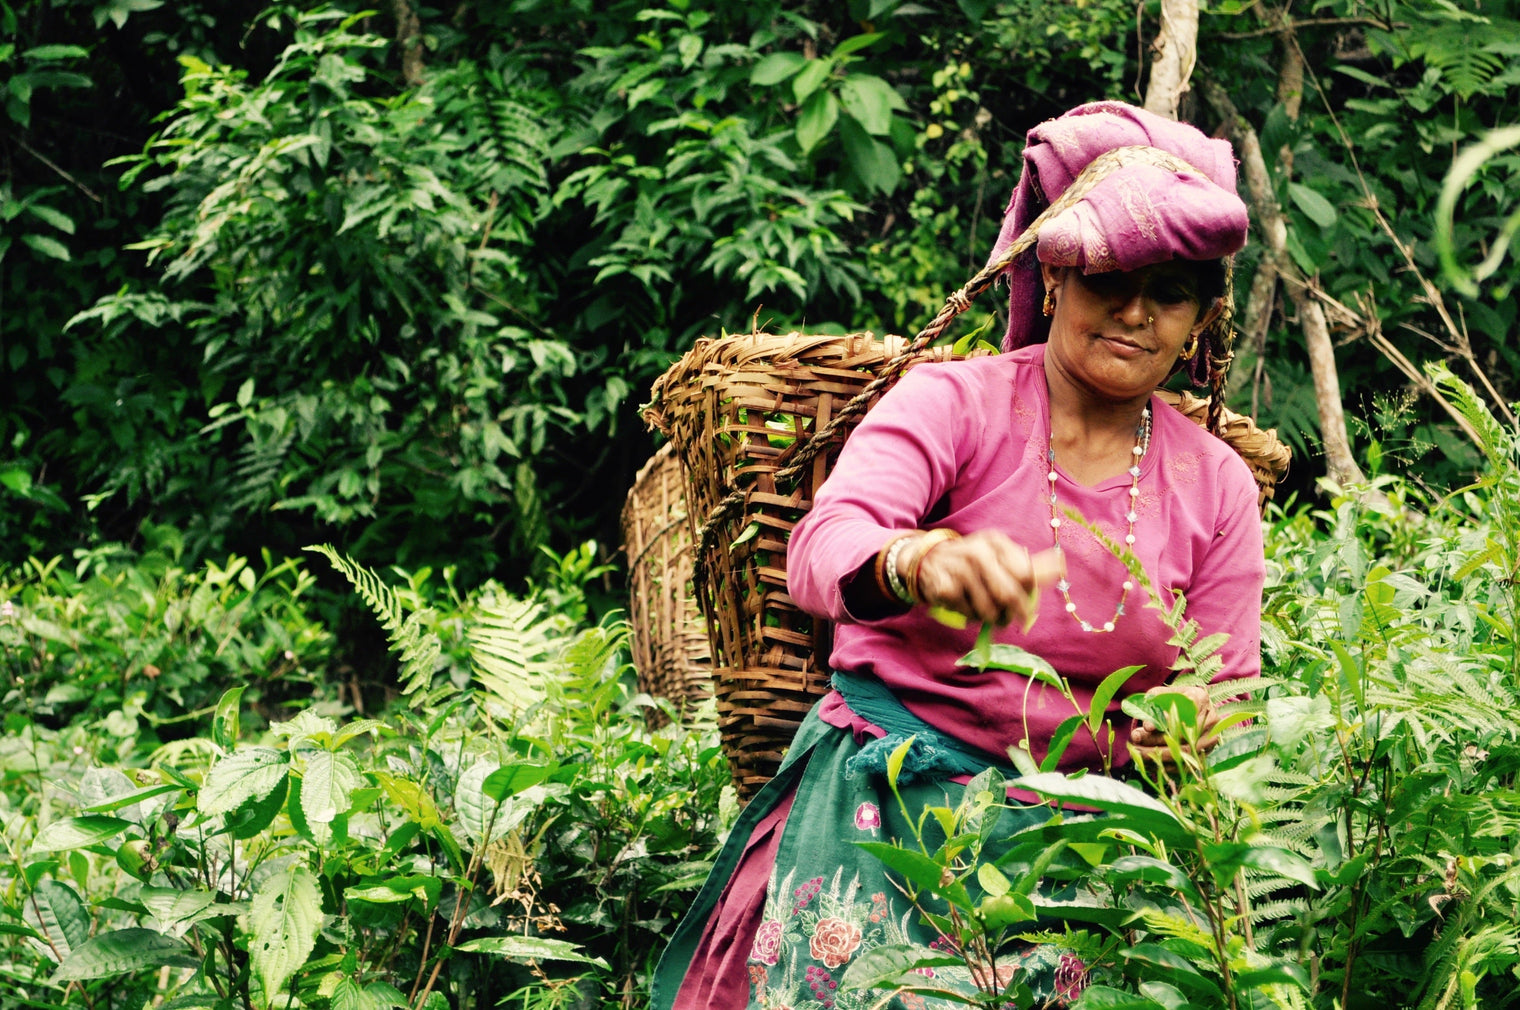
[737, 409]
[670, 647]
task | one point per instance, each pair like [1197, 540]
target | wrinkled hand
[987, 577]
[1149, 741]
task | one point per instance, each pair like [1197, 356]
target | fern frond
[1443, 962]
[409, 636]
[513, 648]
[1178, 928]
[256, 475]
[1492, 438]
[1492, 553]
[1272, 911]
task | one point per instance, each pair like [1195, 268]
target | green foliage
[1351, 840]
[1387, 102]
[437, 853]
[137, 646]
[411, 357]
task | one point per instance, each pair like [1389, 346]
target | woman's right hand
[984, 575]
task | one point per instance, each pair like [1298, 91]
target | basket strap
[959, 301]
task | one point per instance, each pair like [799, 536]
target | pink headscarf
[1137, 216]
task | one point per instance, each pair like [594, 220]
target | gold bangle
[926, 543]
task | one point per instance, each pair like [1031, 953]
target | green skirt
[828, 902]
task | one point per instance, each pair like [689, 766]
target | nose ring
[1150, 320]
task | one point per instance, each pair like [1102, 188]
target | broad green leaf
[1283, 862]
[283, 919]
[357, 728]
[57, 218]
[1103, 793]
[78, 832]
[895, 760]
[1003, 656]
[992, 880]
[19, 481]
[123, 951]
[524, 949]
[1158, 708]
[347, 995]
[56, 911]
[47, 246]
[1150, 870]
[55, 53]
[1087, 910]
[478, 813]
[1176, 967]
[325, 787]
[514, 778]
[855, 43]
[240, 776]
[307, 725]
[1102, 997]
[224, 722]
[1059, 741]
[776, 67]
[819, 114]
[1105, 694]
[1006, 909]
[870, 100]
[811, 78]
[1315, 207]
[882, 967]
[136, 796]
[411, 798]
[258, 813]
[393, 890]
[1173, 998]
[1279, 973]
[920, 870]
[174, 911]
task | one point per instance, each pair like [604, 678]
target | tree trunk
[1176, 49]
[1339, 461]
[409, 38]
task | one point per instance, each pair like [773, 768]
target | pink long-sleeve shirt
[962, 445]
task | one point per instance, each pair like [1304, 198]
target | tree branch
[1339, 460]
[1288, 25]
[1176, 49]
[409, 38]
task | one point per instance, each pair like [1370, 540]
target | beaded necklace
[1142, 443]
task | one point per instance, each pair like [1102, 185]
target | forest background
[397, 279]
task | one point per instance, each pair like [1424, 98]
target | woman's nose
[1131, 309]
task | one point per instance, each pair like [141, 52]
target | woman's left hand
[1149, 741]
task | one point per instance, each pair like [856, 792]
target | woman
[953, 494]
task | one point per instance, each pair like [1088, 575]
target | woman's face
[1119, 334]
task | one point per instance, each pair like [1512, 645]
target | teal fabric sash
[933, 754]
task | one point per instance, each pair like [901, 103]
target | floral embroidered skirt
[792, 901]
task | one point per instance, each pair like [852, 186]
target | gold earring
[1190, 350]
[1049, 308]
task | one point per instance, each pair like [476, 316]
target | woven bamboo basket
[670, 647]
[738, 410]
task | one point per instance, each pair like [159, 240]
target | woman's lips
[1124, 347]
